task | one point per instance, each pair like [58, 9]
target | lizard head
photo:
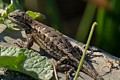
[19, 17]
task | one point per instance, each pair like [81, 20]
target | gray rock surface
[107, 66]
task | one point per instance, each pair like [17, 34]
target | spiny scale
[52, 41]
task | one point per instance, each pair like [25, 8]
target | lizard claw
[20, 44]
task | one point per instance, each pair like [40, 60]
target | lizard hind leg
[89, 55]
[62, 67]
[67, 69]
[92, 49]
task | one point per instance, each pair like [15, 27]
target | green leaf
[8, 9]
[1, 4]
[1, 20]
[12, 62]
[11, 7]
[36, 15]
[26, 61]
[4, 3]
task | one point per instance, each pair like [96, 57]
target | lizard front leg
[29, 41]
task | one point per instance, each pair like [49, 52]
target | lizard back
[52, 41]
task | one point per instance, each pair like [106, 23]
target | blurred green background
[75, 17]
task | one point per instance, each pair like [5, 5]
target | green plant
[84, 53]
[107, 32]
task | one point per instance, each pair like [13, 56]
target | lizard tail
[87, 69]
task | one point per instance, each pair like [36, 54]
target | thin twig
[54, 68]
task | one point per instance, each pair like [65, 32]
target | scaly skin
[52, 41]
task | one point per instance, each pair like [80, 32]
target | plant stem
[84, 53]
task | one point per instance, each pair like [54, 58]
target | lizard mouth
[16, 22]
[11, 17]
[14, 19]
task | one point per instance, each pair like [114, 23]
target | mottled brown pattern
[52, 41]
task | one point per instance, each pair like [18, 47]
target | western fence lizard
[52, 41]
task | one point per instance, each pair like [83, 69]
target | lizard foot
[67, 69]
[92, 49]
[92, 55]
[20, 44]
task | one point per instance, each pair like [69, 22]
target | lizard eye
[10, 15]
[15, 17]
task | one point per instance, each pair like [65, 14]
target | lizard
[52, 41]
